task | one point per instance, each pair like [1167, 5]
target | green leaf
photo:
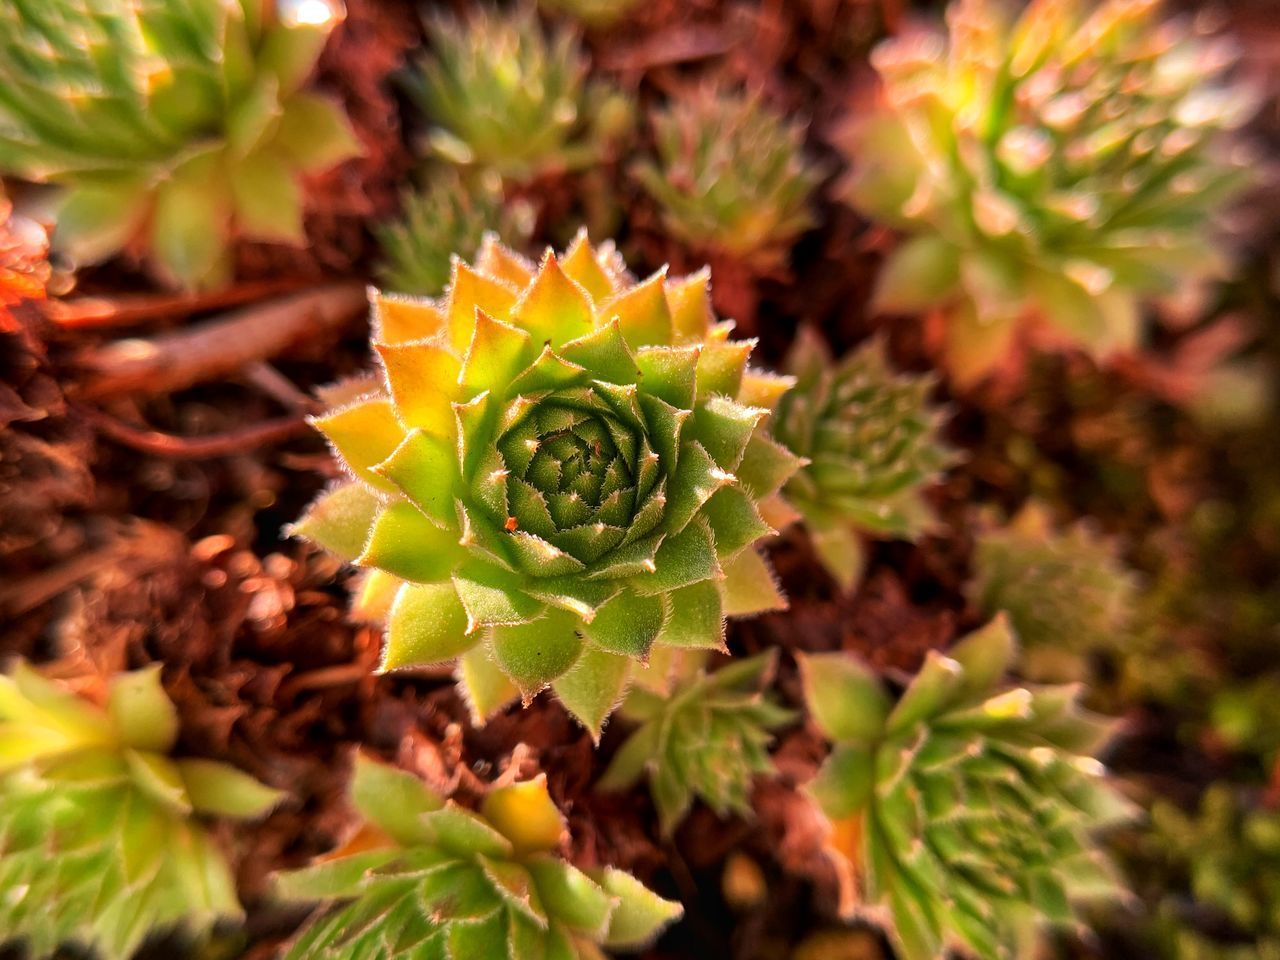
[422, 376]
[604, 354]
[222, 790]
[922, 273]
[268, 199]
[570, 896]
[142, 712]
[465, 834]
[633, 759]
[766, 466]
[724, 427]
[932, 690]
[696, 618]
[640, 915]
[846, 698]
[845, 781]
[96, 220]
[405, 543]
[339, 520]
[687, 558]
[641, 311]
[749, 586]
[839, 547]
[483, 684]
[315, 132]
[696, 478]
[627, 625]
[158, 777]
[493, 597]
[497, 354]
[514, 884]
[554, 309]
[427, 624]
[985, 655]
[735, 521]
[593, 687]
[669, 373]
[486, 938]
[721, 366]
[394, 799]
[425, 468]
[535, 653]
[191, 225]
[331, 879]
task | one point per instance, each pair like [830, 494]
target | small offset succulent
[174, 129]
[962, 811]
[1066, 593]
[502, 95]
[731, 175]
[565, 468]
[705, 736]
[99, 841]
[451, 213]
[871, 439]
[1056, 165]
[1230, 852]
[426, 878]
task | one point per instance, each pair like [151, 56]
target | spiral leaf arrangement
[962, 811]
[704, 738]
[173, 128]
[426, 878]
[731, 175]
[870, 437]
[1066, 593]
[565, 469]
[502, 95]
[1058, 165]
[98, 838]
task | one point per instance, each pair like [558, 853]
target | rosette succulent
[99, 841]
[502, 95]
[450, 213]
[1055, 165]
[564, 468]
[1229, 853]
[731, 175]
[962, 811]
[870, 437]
[173, 128]
[701, 735]
[426, 878]
[1066, 593]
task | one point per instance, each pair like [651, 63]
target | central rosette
[566, 468]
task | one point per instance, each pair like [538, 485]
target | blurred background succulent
[1067, 594]
[1057, 164]
[871, 438]
[426, 878]
[962, 808]
[700, 736]
[451, 213]
[731, 176]
[172, 130]
[502, 94]
[1228, 854]
[566, 468]
[99, 838]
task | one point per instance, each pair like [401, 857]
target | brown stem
[92, 312]
[219, 346]
[192, 448]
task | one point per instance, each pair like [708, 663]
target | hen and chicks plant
[731, 177]
[171, 129]
[427, 879]
[562, 468]
[701, 735]
[870, 439]
[100, 841]
[501, 94]
[1059, 165]
[962, 811]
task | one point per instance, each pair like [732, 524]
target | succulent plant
[961, 810]
[426, 878]
[871, 439]
[450, 214]
[566, 468]
[1229, 851]
[99, 841]
[502, 95]
[173, 128]
[1066, 593]
[731, 176]
[700, 735]
[1056, 165]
